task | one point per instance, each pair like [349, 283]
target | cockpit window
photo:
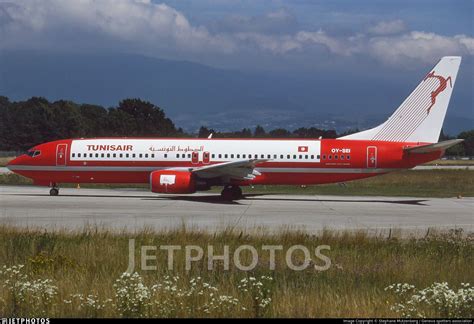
[34, 153]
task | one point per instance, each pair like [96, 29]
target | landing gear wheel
[54, 192]
[236, 192]
[230, 193]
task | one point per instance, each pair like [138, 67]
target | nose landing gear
[231, 192]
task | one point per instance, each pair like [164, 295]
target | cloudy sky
[297, 37]
[240, 33]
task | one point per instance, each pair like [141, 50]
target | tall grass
[89, 262]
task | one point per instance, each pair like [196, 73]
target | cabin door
[61, 151]
[371, 157]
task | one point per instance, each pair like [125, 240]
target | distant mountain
[194, 94]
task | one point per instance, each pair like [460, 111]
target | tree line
[24, 124]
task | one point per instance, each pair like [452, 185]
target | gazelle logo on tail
[443, 83]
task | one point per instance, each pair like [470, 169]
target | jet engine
[172, 182]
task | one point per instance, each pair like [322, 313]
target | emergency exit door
[195, 158]
[371, 156]
[206, 158]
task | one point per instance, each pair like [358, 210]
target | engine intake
[172, 182]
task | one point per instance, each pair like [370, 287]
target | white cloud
[136, 21]
[427, 47]
[334, 45]
[388, 27]
[274, 22]
[143, 27]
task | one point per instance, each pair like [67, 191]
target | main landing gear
[230, 193]
[54, 190]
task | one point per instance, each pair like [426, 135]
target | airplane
[409, 137]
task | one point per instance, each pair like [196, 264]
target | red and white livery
[178, 165]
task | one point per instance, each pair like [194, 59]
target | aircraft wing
[237, 170]
[433, 147]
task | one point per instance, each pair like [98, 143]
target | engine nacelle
[172, 182]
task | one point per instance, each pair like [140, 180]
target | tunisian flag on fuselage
[302, 149]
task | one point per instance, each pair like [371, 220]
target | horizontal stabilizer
[433, 147]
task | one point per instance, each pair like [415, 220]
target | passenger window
[213, 155]
[232, 156]
[73, 154]
[262, 156]
[281, 156]
[146, 155]
[134, 155]
[238, 156]
[269, 156]
[97, 155]
[166, 155]
[127, 155]
[108, 155]
[318, 156]
[288, 156]
[225, 156]
[102, 155]
[312, 157]
[324, 156]
[220, 156]
[336, 157]
[342, 157]
[189, 156]
[153, 156]
[300, 157]
[306, 157]
[256, 156]
[177, 156]
[348, 157]
[294, 157]
[114, 155]
[329, 157]
[78, 154]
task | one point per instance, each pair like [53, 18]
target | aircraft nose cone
[16, 161]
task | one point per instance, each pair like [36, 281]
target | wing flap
[240, 170]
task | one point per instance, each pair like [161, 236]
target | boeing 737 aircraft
[181, 166]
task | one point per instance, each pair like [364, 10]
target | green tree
[279, 133]
[204, 132]
[145, 119]
[468, 143]
[259, 131]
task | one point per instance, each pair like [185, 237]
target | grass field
[451, 162]
[89, 262]
[4, 160]
[419, 183]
